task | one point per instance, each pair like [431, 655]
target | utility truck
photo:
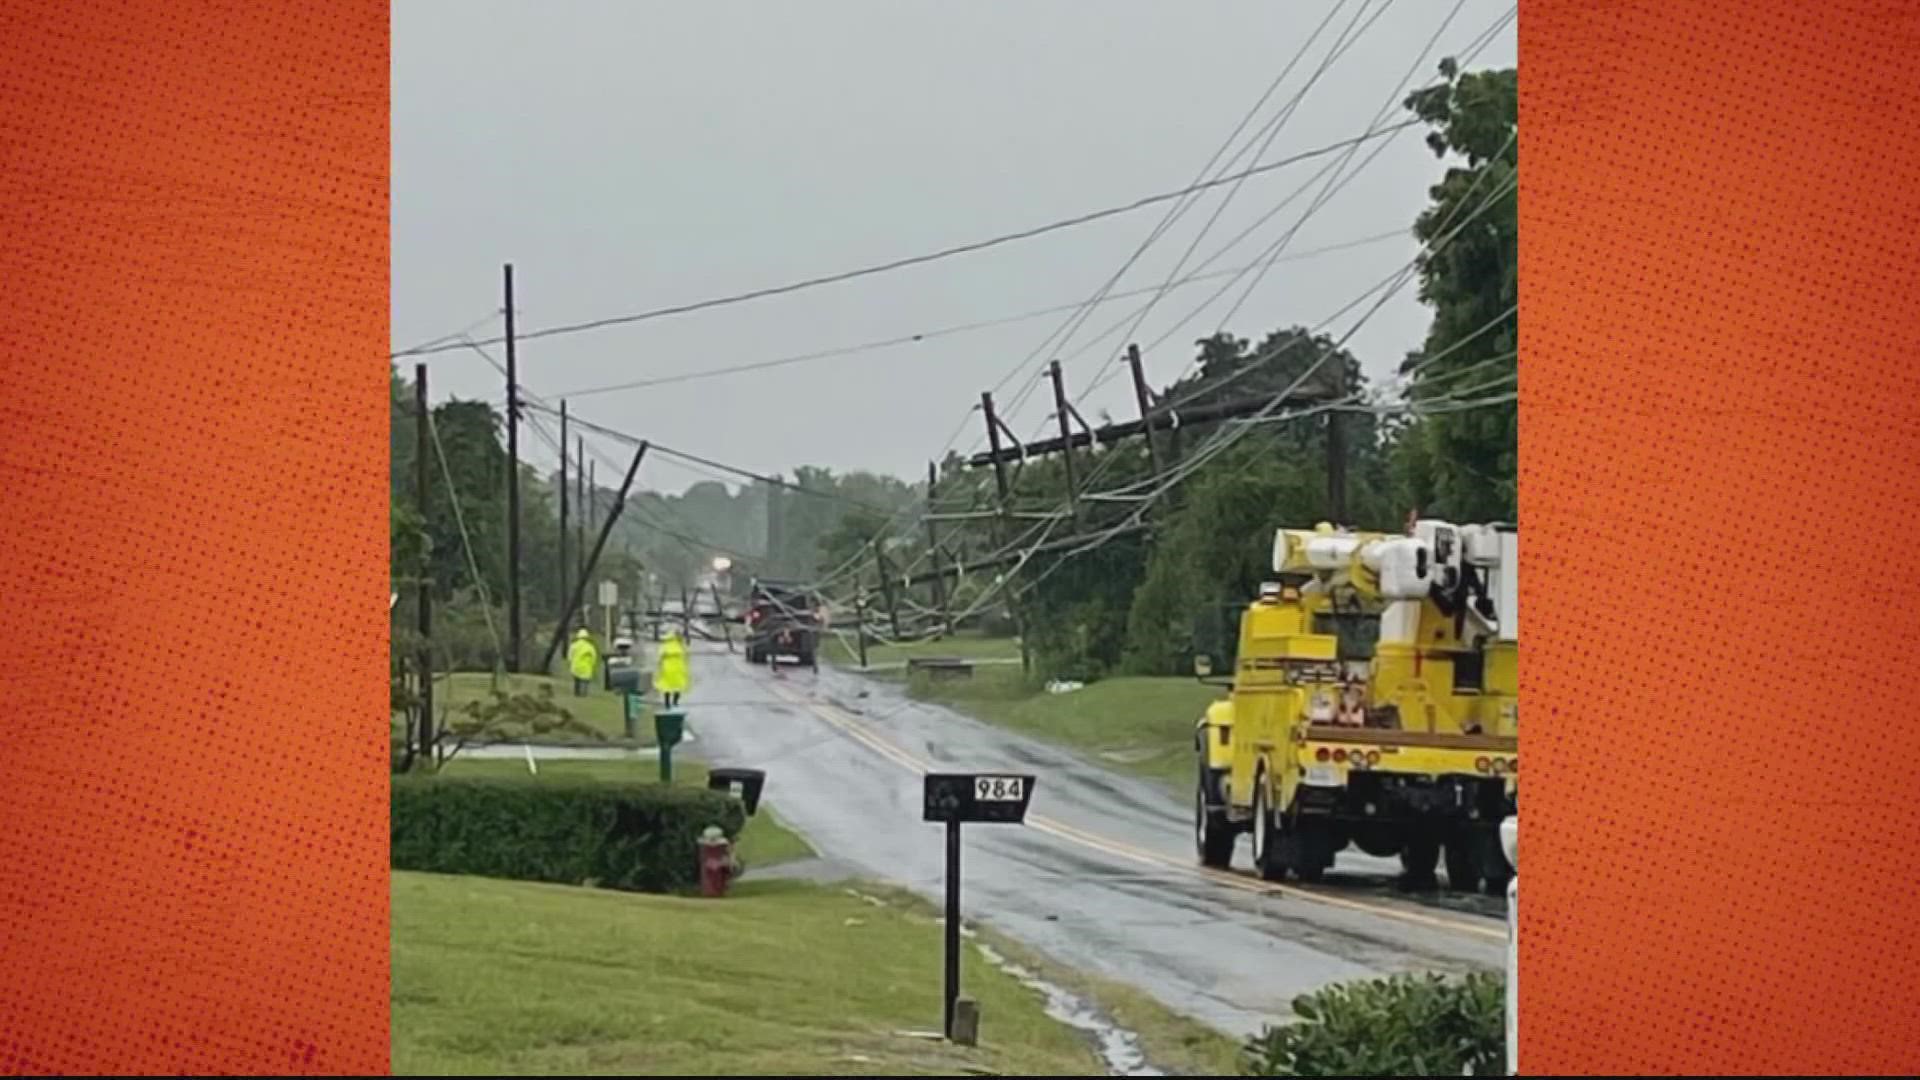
[1373, 704]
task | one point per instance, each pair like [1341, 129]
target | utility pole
[776, 529]
[1337, 467]
[513, 484]
[566, 484]
[1066, 436]
[580, 500]
[588, 511]
[1145, 399]
[1000, 522]
[933, 552]
[423, 450]
[586, 571]
[886, 588]
[860, 624]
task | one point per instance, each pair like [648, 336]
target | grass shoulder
[599, 709]
[1141, 725]
[780, 978]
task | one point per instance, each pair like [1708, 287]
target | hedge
[639, 837]
[1408, 1025]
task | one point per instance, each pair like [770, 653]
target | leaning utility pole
[586, 570]
[933, 552]
[513, 485]
[1060, 408]
[1144, 398]
[423, 450]
[886, 588]
[1000, 521]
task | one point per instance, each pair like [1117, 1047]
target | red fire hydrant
[718, 867]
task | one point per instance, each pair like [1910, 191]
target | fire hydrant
[718, 867]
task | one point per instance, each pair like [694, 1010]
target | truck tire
[1418, 857]
[1269, 850]
[1495, 871]
[1312, 850]
[1213, 834]
[1463, 861]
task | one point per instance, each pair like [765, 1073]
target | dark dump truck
[782, 620]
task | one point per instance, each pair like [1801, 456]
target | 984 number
[998, 788]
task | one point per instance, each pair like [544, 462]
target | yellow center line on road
[853, 730]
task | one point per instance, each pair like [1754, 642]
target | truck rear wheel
[1269, 853]
[1418, 857]
[1463, 861]
[1213, 834]
[1312, 850]
[1495, 871]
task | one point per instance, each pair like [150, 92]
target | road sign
[994, 798]
[609, 594]
[956, 798]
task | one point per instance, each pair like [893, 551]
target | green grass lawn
[779, 978]
[600, 709]
[765, 841]
[1135, 724]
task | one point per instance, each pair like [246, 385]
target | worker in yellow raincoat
[583, 660]
[670, 676]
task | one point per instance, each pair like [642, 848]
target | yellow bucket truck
[1373, 704]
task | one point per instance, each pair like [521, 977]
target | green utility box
[669, 727]
[635, 707]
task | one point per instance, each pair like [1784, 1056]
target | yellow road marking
[1044, 824]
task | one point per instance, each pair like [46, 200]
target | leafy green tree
[1463, 462]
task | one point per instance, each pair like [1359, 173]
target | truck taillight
[1340, 757]
[1373, 758]
[1323, 755]
[1499, 766]
[1484, 765]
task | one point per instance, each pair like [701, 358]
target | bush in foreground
[637, 837]
[1403, 1026]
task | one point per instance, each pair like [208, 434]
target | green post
[635, 705]
[668, 727]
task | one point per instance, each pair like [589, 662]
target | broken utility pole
[886, 588]
[1144, 398]
[1060, 408]
[933, 552]
[1003, 497]
[586, 570]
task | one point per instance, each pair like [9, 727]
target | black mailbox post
[955, 799]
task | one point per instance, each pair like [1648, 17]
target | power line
[914, 260]
[950, 331]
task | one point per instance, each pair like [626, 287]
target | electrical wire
[899, 264]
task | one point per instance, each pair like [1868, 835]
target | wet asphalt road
[1102, 878]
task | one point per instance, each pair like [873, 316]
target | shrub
[637, 837]
[1402, 1026]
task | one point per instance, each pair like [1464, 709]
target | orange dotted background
[193, 423]
[1720, 446]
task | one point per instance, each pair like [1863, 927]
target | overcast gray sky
[626, 155]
